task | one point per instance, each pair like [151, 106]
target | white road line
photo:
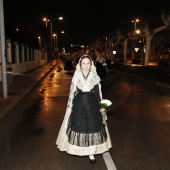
[108, 161]
[163, 84]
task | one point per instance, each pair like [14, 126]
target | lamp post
[114, 53]
[135, 21]
[2, 46]
[55, 43]
[39, 39]
[46, 21]
[51, 33]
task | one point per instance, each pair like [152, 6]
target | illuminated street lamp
[51, 32]
[55, 42]
[39, 38]
[135, 21]
[46, 21]
[138, 31]
[17, 29]
[60, 18]
[114, 53]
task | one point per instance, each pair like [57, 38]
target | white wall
[29, 65]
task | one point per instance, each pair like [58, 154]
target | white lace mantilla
[85, 85]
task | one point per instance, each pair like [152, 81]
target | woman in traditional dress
[82, 132]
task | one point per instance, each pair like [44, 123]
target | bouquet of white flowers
[106, 105]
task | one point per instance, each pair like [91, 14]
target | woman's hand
[102, 110]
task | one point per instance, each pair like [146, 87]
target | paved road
[143, 108]
[139, 127]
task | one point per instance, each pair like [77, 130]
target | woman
[109, 62]
[68, 63]
[82, 132]
[101, 66]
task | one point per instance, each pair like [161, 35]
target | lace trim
[85, 140]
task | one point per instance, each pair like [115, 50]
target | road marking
[108, 161]
[163, 84]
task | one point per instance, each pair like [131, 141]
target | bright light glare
[138, 31]
[114, 52]
[60, 18]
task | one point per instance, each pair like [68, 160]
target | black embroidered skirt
[85, 126]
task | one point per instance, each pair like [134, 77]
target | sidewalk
[21, 85]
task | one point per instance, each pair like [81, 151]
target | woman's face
[85, 64]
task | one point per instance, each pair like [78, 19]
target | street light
[39, 38]
[135, 21]
[51, 33]
[114, 53]
[45, 20]
[55, 42]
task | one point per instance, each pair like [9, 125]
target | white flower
[106, 101]
[105, 105]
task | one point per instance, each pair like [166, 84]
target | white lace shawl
[84, 85]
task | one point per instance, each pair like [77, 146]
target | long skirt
[83, 132]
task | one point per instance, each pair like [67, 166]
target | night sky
[84, 20]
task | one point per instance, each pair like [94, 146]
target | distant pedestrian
[109, 62]
[101, 66]
[68, 63]
[82, 132]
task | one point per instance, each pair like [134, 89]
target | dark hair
[86, 56]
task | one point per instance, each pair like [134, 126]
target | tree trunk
[148, 44]
[125, 52]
